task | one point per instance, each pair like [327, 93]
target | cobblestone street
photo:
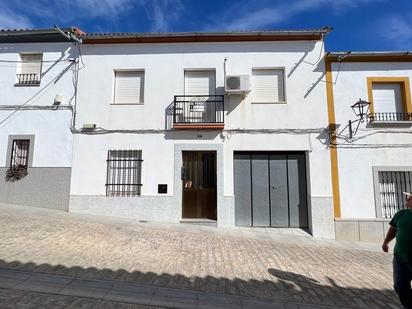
[255, 263]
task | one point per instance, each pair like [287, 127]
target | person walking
[401, 228]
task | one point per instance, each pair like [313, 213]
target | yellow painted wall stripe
[333, 151]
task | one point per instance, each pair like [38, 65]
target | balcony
[390, 118]
[28, 79]
[198, 112]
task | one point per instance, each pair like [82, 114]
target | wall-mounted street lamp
[360, 109]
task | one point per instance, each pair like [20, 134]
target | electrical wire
[101, 130]
[35, 107]
[21, 106]
[275, 131]
[365, 146]
[43, 61]
[2, 65]
[80, 56]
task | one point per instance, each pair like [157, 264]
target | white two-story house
[217, 127]
[38, 87]
[255, 129]
[371, 155]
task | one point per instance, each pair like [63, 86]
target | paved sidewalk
[18, 299]
[134, 293]
[239, 263]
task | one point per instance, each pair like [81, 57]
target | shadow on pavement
[289, 276]
[290, 287]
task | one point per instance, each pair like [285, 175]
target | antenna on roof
[341, 57]
[68, 35]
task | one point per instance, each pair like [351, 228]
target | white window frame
[140, 70]
[11, 138]
[283, 69]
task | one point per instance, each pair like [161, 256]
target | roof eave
[399, 56]
[34, 36]
[206, 37]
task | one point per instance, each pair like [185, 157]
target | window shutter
[200, 82]
[268, 86]
[129, 87]
[31, 63]
[387, 97]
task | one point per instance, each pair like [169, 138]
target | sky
[358, 25]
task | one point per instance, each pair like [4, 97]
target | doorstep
[207, 222]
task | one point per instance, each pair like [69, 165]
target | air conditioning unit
[237, 84]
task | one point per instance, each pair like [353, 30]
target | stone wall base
[368, 230]
[45, 187]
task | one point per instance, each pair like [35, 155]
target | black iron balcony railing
[198, 109]
[390, 117]
[28, 79]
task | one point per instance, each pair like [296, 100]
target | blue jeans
[402, 276]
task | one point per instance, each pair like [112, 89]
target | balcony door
[387, 98]
[199, 86]
[200, 83]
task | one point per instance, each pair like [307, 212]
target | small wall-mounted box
[58, 99]
[162, 188]
[89, 126]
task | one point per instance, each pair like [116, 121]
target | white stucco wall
[164, 66]
[53, 139]
[371, 146]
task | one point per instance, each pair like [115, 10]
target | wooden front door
[199, 185]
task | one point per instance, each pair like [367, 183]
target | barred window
[391, 186]
[124, 168]
[20, 152]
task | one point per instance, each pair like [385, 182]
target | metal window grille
[391, 186]
[20, 152]
[124, 168]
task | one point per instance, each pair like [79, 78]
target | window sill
[362, 220]
[122, 196]
[126, 103]
[26, 85]
[404, 123]
[274, 103]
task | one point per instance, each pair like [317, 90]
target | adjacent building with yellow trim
[371, 159]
